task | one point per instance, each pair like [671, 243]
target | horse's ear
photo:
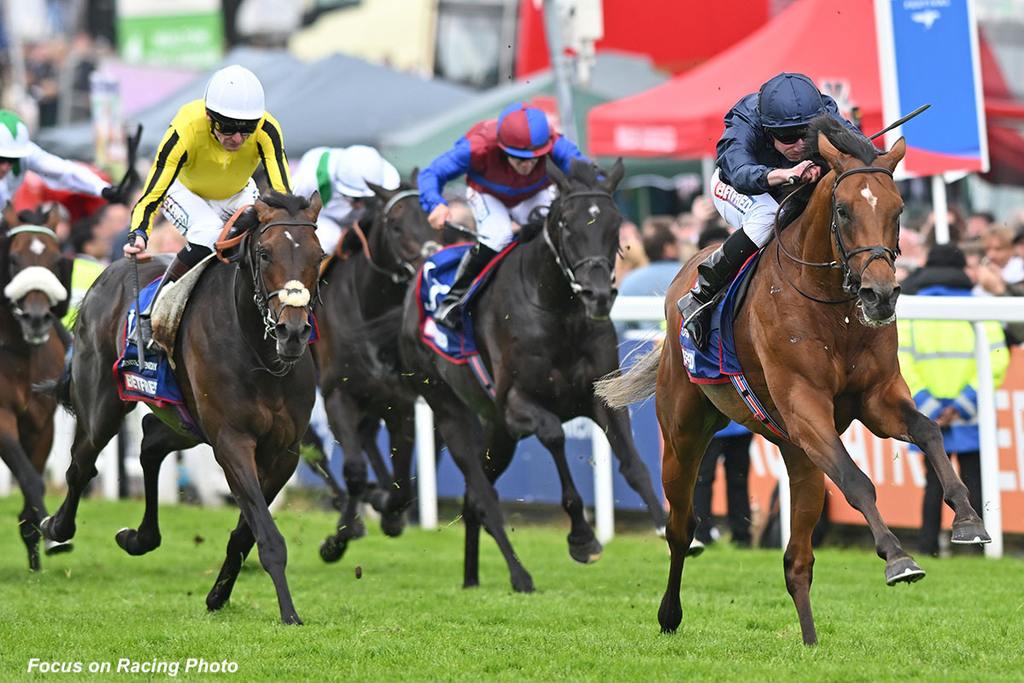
[264, 212]
[893, 156]
[556, 174]
[315, 204]
[10, 216]
[380, 191]
[52, 218]
[414, 177]
[614, 177]
[833, 156]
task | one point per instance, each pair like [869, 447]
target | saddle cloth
[719, 363]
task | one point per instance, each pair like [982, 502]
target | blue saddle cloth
[432, 284]
[718, 363]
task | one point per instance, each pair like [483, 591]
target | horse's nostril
[868, 295]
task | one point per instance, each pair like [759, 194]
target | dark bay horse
[543, 331]
[358, 360]
[242, 366]
[817, 346]
[35, 281]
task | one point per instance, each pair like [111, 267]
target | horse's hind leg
[157, 441]
[891, 413]
[235, 453]
[615, 423]
[523, 416]
[501, 447]
[810, 419]
[807, 487]
[391, 501]
[30, 482]
[343, 415]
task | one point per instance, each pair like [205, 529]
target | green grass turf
[407, 618]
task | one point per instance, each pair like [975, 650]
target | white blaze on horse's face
[291, 239]
[37, 247]
[870, 196]
[594, 212]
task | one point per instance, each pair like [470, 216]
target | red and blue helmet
[523, 131]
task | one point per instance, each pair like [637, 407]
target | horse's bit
[569, 271]
[876, 251]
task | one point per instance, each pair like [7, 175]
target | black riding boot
[717, 271]
[182, 262]
[449, 311]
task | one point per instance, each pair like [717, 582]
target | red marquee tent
[833, 43]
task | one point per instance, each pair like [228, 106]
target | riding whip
[138, 312]
[461, 229]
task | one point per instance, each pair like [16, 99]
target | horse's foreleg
[368, 435]
[807, 487]
[811, 423]
[343, 415]
[392, 501]
[615, 424]
[891, 413]
[236, 454]
[523, 416]
[30, 482]
[157, 441]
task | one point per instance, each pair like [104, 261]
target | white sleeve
[304, 179]
[62, 174]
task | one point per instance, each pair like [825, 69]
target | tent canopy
[336, 101]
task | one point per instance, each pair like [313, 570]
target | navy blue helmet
[789, 100]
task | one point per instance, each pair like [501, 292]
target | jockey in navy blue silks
[759, 152]
[503, 161]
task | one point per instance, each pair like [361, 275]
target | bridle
[406, 271]
[850, 283]
[261, 296]
[569, 270]
[26, 229]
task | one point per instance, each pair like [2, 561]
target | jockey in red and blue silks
[759, 152]
[503, 161]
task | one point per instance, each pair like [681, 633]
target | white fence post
[426, 472]
[991, 500]
[604, 497]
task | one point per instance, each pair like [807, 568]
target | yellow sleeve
[171, 155]
[271, 146]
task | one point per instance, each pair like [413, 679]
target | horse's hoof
[670, 614]
[971, 532]
[522, 583]
[659, 531]
[587, 552]
[332, 549]
[129, 540]
[55, 548]
[472, 583]
[33, 562]
[392, 524]
[902, 570]
[291, 619]
[696, 548]
[216, 599]
[49, 530]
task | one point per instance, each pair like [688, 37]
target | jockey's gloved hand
[114, 195]
[137, 241]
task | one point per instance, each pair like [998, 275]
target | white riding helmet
[234, 92]
[14, 141]
[352, 166]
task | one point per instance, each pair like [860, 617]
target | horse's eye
[842, 212]
[264, 255]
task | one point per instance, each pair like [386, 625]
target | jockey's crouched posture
[503, 161]
[203, 169]
[340, 175]
[759, 152]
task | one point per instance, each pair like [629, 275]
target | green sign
[193, 41]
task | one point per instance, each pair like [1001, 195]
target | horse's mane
[843, 139]
[276, 200]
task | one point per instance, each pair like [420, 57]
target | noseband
[878, 251]
[569, 270]
[29, 229]
[261, 296]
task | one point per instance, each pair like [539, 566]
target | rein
[407, 271]
[843, 264]
[569, 271]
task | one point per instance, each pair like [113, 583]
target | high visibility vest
[83, 274]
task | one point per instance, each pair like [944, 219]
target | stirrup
[449, 315]
[698, 324]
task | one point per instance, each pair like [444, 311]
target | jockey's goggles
[8, 160]
[789, 135]
[226, 126]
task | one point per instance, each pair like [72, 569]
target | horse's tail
[59, 388]
[619, 389]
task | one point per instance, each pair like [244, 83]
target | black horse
[243, 369]
[35, 281]
[543, 331]
[358, 360]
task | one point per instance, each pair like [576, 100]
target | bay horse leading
[542, 330]
[244, 372]
[359, 372]
[816, 344]
[35, 281]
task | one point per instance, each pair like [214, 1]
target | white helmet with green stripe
[14, 141]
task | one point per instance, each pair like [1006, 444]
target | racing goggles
[228, 127]
[788, 135]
